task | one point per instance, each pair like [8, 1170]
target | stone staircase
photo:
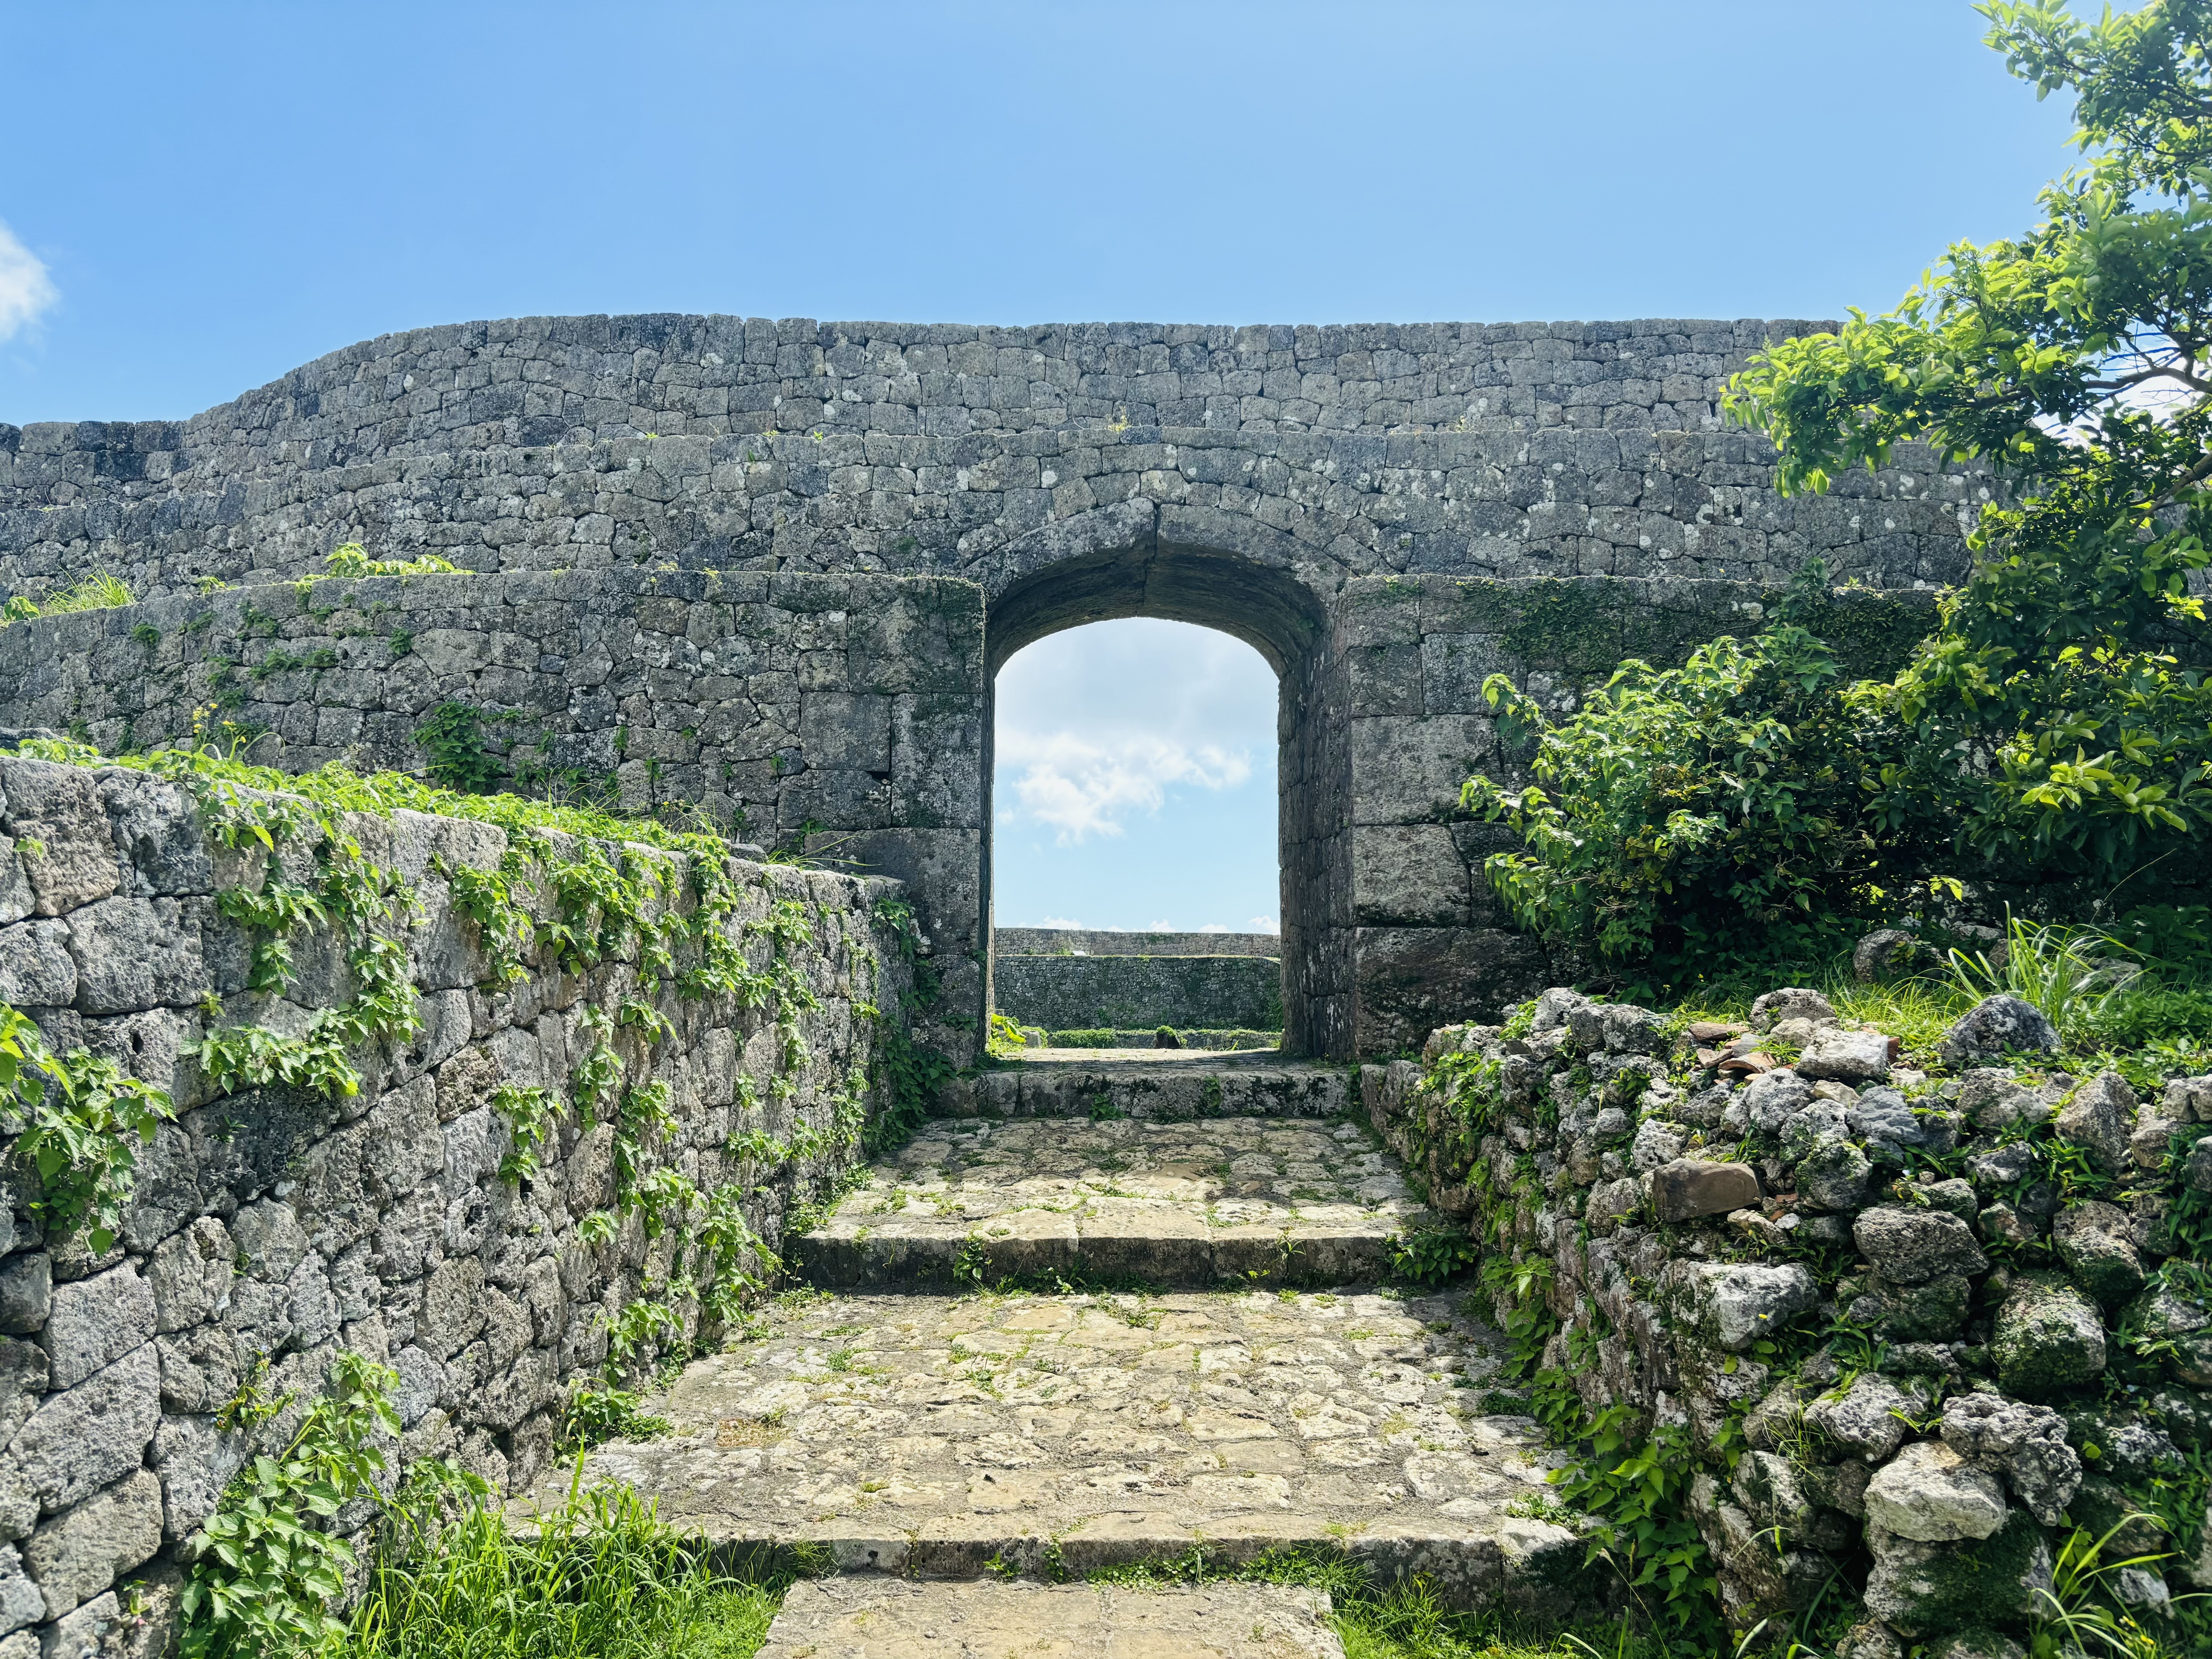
[1034, 1350]
[1168, 1085]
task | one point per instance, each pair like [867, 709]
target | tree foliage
[2055, 729]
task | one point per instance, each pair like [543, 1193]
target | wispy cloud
[1098, 724]
[26, 289]
[1080, 786]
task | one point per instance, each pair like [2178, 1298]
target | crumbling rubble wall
[1914, 1316]
[290, 1223]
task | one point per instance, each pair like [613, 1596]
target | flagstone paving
[1253, 1201]
[1052, 1436]
[880, 1618]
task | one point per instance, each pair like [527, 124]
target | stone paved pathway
[928, 1444]
[1253, 1201]
[1160, 1084]
[891, 1619]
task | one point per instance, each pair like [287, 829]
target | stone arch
[1280, 609]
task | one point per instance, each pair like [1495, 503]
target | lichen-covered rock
[1866, 1421]
[1890, 1125]
[2100, 1119]
[1846, 1056]
[1993, 1099]
[1790, 1002]
[1910, 1246]
[2027, 1444]
[1929, 1493]
[2047, 1337]
[1929, 1589]
[2097, 1244]
[1935, 1311]
[1834, 1177]
[2164, 1314]
[1998, 1025]
[2189, 1098]
[1733, 1304]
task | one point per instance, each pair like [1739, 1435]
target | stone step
[876, 1617]
[1165, 1085]
[1052, 1437]
[1249, 1201]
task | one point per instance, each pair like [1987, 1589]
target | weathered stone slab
[883, 1618]
[934, 1436]
[1270, 1201]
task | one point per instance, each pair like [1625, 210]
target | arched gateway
[773, 567]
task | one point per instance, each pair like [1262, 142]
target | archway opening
[1268, 609]
[1135, 885]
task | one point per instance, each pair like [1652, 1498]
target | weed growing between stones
[98, 592]
[80, 1120]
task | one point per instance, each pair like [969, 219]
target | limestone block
[21, 1602]
[26, 1291]
[2048, 1336]
[2027, 1444]
[36, 968]
[452, 1308]
[57, 807]
[194, 1460]
[17, 900]
[1846, 1056]
[1931, 1590]
[96, 1321]
[156, 826]
[23, 1376]
[1695, 1186]
[200, 1368]
[1791, 1002]
[83, 1438]
[1996, 1026]
[1409, 873]
[136, 953]
[1928, 1492]
[1912, 1246]
[1406, 770]
[2096, 1241]
[1866, 1421]
[1734, 1303]
[2100, 1119]
[84, 1634]
[1833, 1177]
[75, 1554]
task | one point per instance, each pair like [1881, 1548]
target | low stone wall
[1880, 1323]
[291, 1224]
[1066, 993]
[1105, 942]
[845, 710]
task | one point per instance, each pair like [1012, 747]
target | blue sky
[202, 197]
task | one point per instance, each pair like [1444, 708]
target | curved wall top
[726, 442]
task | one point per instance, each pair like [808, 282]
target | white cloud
[26, 289]
[1062, 921]
[1264, 925]
[1098, 723]
[1214, 928]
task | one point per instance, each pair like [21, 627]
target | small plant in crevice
[451, 739]
[79, 1120]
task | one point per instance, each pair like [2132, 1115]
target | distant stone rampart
[1118, 942]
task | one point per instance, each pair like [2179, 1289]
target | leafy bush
[1690, 808]
[351, 559]
[2072, 974]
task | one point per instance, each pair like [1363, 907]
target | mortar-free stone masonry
[773, 567]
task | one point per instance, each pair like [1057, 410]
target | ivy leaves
[83, 1119]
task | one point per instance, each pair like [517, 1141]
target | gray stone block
[77, 1554]
[83, 1438]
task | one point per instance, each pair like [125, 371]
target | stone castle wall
[280, 1221]
[1063, 993]
[1281, 484]
[1563, 449]
[853, 703]
[1109, 942]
